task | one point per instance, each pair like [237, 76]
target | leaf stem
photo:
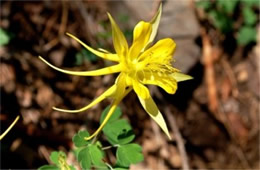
[95, 139]
[109, 166]
[108, 147]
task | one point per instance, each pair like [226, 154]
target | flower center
[132, 66]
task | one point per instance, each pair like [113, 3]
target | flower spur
[139, 65]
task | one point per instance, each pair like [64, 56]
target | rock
[178, 22]
[186, 55]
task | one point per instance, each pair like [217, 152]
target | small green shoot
[91, 154]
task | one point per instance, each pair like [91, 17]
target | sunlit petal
[121, 85]
[9, 128]
[142, 32]
[155, 24]
[181, 77]
[99, 72]
[151, 108]
[165, 81]
[161, 52]
[140, 90]
[104, 51]
[119, 41]
[107, 56]
[108, 93]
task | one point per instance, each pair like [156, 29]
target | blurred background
[216, 113]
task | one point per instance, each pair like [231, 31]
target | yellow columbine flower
[138, 65]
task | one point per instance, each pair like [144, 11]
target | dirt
[225, 138]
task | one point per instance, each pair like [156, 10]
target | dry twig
[179, 140]
[208, 61]
[62, 27]
[209, 57]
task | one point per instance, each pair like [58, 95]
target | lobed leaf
[96, 155]
[4, 37]
[79, 140]
[91, 155]
[250, 18]
[84, 158]
[117, 113]
[54, 157]
[119, 132]
[49, 167]
[85, 55]
[205, 5]
[227, 6]
[129, 154]
[220, 21]
[246, 35]
[119, 168]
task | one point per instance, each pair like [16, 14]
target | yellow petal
[107, 56]
[104, 51]
[181, 77]
[99, 72]
[140, 90]
[121, 84]
[161, 52]
[9, 128]
[110, 92]
[142, 32]
[155, 23]
[109, 114]
[151, 108]
[119, 41]
[165, 81]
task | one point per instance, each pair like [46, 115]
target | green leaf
[250, 18]
[72, 167]
[85, 55]
[79, 140]
[119, 132]
[91, 154]
[117, 113]
[221, 21]
[55, 157]
[58, 158]
[84, 158]
[120, 168]
[76, 152]
[251, 3]
[246, 35]
[128, 33]
[129, 154]
[97, 156]
[48, 167]
[227, 6]
[4, 37]
[104, 35]
[204, 4]
[123, 18]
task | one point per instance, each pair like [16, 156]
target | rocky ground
[215, 115]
